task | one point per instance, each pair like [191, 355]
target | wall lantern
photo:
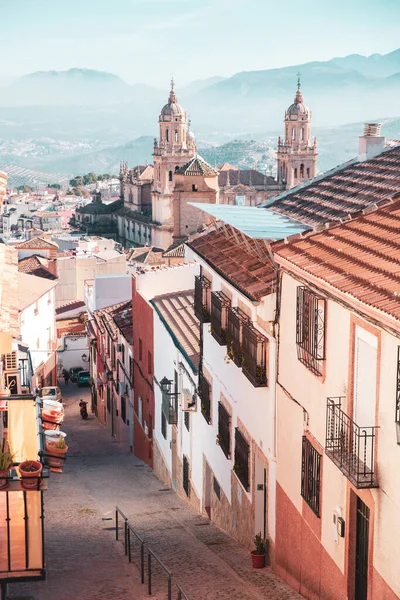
[165, 385]
[109, 375]
[84, 357]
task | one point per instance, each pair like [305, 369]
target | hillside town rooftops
[343, 191]
[177, 314]
[35, 265]
[237, 262]
[117, 316]
[360, 258]
[254, 222]
[37, 243]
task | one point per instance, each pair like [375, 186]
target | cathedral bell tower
[297, 154]
[174, 148]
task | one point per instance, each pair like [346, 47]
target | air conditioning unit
[122, 388]
[11, 361]
[189, 401]
[119, 347]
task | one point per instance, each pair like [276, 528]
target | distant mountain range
[89, 118]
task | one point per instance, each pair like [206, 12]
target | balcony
[236, 318]
[254, 346]
[220, 303]
[202, 290]
[349, 446]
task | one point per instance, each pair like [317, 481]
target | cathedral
[156, 198]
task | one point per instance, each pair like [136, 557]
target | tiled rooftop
[343, 192]
[73, 305]
[35, 265]
[231, 176]
[177, 313]
[37, 243]
[197, 166]
[359, 258]
[149, 255]
[117, 316]
[238, 263]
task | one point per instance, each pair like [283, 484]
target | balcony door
[362, 541]
[365, 380]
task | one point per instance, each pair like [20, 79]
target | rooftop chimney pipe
[371, 143]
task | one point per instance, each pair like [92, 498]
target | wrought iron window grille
[224, 430]
[254, 355]
[241, 465]
[350, 447]
[236, 318]
[169, 410]
[310, 329]
[311, 476]
[204, 392]
[220, 303]
[202, 293]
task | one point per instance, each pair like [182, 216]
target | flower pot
[258, 560]
[50, 426]
[4, 479]
[52, 435]
[30, 471]
[55, 456]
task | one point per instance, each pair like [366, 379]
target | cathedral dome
[172, 109]
[298, 108]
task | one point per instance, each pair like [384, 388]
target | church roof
[298, 107]
[247, 177]
[197, 166]
[343, 191]
[172, 108]
[99, 208]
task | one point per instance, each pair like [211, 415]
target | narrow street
[85, 561]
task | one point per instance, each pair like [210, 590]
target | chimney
[371, 143]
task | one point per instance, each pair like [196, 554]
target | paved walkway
[85, 562]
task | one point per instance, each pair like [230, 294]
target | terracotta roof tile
[33, 265]
[237, 263]
[177, 312]
[37, 243]
[73, 305]
[197, 166]
[343, 192]
[360, 258]
[117, 316]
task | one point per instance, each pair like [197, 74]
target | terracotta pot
[53, 416]
[54, 426]
[258, 560]
[53, 460]
[3, 481]
[30, 479]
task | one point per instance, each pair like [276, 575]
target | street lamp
[84, 357]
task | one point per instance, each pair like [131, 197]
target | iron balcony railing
[349, 446]
[202, 287]
[204, 391]
[236, 318]
[219, 316]
[254, 353]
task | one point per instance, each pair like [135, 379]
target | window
[302, 134]
[123, 408]
[301, 170]
[310, 329]
[205, 397]
[310, 475]
[224, 430]
[170, 176]
[176, 168]
[108, 399]
[163, 425]
[295, 173]
[202, 298]
[149, 363]
[176, 135]
[167, 135]
[236, 318]
[240, 200]
[254, 353]
[131, 369]
[140, 410]
[241, 465]
[308, 172]
[219, 316]
[186, 417]
[293, 133]
[186, 484]
[140, 349]
[123, 354]
[113, 356]
[194, 188]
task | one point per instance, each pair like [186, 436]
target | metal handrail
[181, 593]
[131, 530]
[150, 554]
[117, 512]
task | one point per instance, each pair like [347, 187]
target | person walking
[66, 376]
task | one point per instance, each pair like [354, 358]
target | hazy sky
[146, 40]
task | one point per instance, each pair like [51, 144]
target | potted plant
[55, 453]
[30, 471]
[6, 461]
[258, 555]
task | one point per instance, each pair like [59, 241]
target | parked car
[83, 378]
[73, 373]
[52, 392]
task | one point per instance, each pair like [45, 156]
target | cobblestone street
[83, 559]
